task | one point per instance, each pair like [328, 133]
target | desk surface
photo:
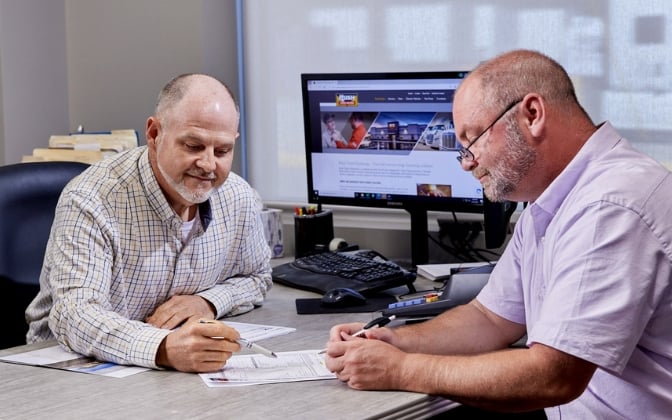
[37, 392]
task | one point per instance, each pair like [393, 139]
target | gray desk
[35, 392]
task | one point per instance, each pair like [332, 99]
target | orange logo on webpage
[347, 99]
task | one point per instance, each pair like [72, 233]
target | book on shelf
[84, 147]
[113, 141]
[85, 156]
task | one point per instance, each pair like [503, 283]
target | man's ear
[152, 131]
[534, 113]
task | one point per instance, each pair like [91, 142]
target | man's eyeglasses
[465, 154]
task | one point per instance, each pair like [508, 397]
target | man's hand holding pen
[363, 355]
[242, 341]
[346, 332]
[191, 348]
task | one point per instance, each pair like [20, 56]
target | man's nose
[207, 161]
[468, 165]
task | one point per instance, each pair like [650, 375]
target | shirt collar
[548, 203]
[158, 200]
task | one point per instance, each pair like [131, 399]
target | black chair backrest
[28, 196]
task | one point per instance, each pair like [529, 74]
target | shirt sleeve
[245, 277]
[601, 286]
[588, 288]
[80, 278]
[245, 288]
[503, 293]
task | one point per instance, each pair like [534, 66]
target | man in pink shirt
[586, 276]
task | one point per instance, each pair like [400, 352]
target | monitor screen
[387, 140]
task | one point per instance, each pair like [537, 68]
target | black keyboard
[366, 271]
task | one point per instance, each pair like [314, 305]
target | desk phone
[460, 288]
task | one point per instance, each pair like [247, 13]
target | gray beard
[515, 164]
[195, 197]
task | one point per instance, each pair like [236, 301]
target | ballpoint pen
[245, 343]
[376, 323]
[256, 347]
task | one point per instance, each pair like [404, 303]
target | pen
[256, 347]
[245, 343]
[376, 323]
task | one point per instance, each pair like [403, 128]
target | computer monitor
[388, 140]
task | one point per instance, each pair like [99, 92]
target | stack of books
[85, 147]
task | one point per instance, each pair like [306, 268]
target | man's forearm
[461, 330]
[506, 380]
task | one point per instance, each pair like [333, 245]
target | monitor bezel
[407, 202]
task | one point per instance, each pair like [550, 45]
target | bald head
[512, 75]
[523, 107]
[191, 139]
[189, 84]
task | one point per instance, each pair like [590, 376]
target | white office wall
[101, 63]
[120, 54]
[619, 53]
[33, 76]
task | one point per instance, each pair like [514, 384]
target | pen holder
[313, 232]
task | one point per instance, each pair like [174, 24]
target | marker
[245, 343]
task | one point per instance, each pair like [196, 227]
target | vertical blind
[618, 52]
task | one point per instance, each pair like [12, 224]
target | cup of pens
[313, 230]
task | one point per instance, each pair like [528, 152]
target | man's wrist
[161, 359]
[211, 306]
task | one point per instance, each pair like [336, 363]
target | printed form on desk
[59, 358]
[256, 369]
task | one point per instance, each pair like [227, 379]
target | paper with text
[256, 332]
[58, 358]
[293, 366]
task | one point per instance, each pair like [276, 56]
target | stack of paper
[434, 271]
[84, 156]
[87, 148]
[114, 141]
[443, 271]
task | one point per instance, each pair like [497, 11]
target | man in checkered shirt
[157, 238]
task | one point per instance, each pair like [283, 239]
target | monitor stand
[419, 236]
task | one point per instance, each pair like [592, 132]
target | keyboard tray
[322, 272]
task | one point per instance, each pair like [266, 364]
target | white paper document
[292, 366]
[256, 332]
[443, 271]
[58, 358]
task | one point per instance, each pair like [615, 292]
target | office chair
[28, 196]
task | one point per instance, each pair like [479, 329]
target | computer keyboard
[366, 271]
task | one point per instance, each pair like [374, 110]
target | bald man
[157, 238]
[585, 277]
